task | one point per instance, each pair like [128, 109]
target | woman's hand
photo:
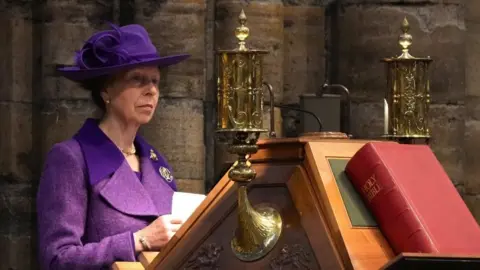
[158, 233]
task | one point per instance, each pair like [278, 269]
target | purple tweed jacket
[90, 201]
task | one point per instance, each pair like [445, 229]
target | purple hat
[110, 51]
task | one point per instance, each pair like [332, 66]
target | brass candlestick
[239, 123]
[407, 98]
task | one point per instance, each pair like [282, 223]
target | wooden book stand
[325, 223]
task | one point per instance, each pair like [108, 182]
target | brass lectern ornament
[239, 124]
[407, 98]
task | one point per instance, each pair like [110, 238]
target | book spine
[394, 214]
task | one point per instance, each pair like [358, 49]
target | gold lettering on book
[371, 188]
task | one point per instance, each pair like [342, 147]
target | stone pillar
[304, 55]
[64, 105]
[210, 98]
[265, 21]
[177, 130]
[304, 45]
[472, 101]
[368, 32]
[16, 185]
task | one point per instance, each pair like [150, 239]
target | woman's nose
[152, 89]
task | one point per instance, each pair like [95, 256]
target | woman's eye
[138, 79]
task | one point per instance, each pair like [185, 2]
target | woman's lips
[149, 106]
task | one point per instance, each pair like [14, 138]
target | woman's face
[132, 96]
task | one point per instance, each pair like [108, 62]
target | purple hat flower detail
[121, 48]
[103, 49]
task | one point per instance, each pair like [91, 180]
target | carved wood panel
[293, 251]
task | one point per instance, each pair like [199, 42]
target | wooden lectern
[325, 223]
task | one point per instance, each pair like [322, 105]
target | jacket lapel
[150, 197]
[160, 192]
[125, 193]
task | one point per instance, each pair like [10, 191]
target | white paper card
[184, 204]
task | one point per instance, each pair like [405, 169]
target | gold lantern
[407, 98]
[239, 124]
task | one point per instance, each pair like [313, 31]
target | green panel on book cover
[358, 213]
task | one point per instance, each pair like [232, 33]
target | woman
[106, 194]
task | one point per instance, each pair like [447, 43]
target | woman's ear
[105, 96]
[109, 89]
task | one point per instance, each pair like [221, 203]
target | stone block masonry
[38, 109]
[471, 168]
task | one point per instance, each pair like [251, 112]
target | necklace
[130, 151]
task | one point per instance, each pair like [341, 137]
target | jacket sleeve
[62, 202]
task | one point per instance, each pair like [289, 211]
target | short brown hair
[96, 86]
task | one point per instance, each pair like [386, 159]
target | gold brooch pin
[165, 173]
[153, 156]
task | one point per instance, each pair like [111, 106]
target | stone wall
[17, 161]
[349, 37]
[471, 166]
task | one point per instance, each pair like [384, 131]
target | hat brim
[77, 74]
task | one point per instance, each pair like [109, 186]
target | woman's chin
[144, 118]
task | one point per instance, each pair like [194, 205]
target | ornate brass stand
[408, 95]
[239, 123]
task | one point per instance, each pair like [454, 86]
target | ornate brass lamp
[239, 124]
[407, 98]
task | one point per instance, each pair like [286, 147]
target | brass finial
[242, 31]
[405, 39]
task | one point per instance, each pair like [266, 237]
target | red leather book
[414, 202]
